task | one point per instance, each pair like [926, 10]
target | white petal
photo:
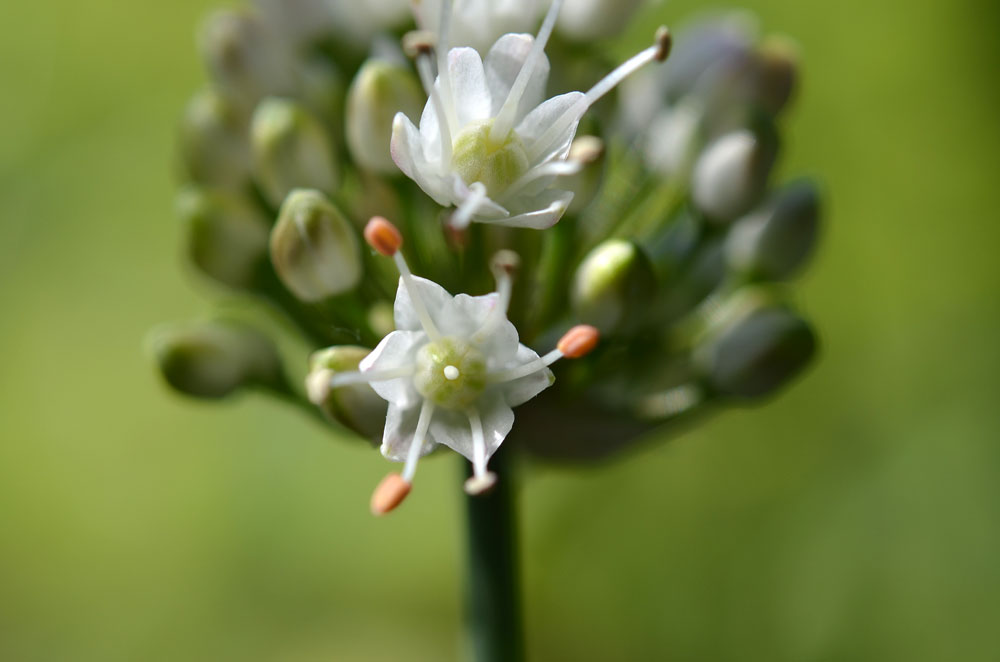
[434, 297]
[549, 208]
[397, 350]
[405, 143]
[468, 84]
[541, 118]
[400, 424]
[521, 390]
[452, 428]
[469, 315]
[504, 62]
[430, 131]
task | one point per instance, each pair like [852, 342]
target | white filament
[410, 468]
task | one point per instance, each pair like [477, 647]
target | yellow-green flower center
[478, 158]
[451, 373]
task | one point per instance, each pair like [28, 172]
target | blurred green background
[856, 517]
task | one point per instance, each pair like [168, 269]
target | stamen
[444, 28]
[463, 215]
[548, 169]
[503, 266]
[657, 52]
[384, 237]
[389, 494]
[482, 479]
[366, 377]
[504, 121]
[423, 422]
[427, 79]
[575, 343]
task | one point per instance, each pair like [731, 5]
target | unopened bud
[291, 149]
[389, 494]
[313, 247]
[578, 341]
[731, 173]
[757, 353]
[245, 60]
[226, 235]
[356, 406]
[673, 138]
[214, 147]
[214, 359]
[380, 90]
[614, 281]
[774, 241]
[584, 20]
[778, 65]
[383, 236]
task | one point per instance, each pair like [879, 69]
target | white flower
[487, 142]
[451, 372]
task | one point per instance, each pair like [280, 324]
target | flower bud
[313, 247]
[672, 141]
[613, 283]
[778, 64]
[291, 149]
[584, 20]
[731, 173]
[214, 148]
[773, 241]
[379, 91]
[356, 405]
[215, 359]
[226, 235]
[245, 60]
[756, 352]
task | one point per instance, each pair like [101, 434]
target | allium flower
[487, 142]
[451, 371]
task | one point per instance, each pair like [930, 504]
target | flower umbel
[487, 142]
[451, 371]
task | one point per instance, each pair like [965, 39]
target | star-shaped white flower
[451, 371]
[487, 142]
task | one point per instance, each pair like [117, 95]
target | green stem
[493, 615]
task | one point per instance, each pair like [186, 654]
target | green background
[857, 517]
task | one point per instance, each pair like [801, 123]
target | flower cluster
[629, 223]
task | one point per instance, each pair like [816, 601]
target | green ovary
[477, 158]
[453, 357]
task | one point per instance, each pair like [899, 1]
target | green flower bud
[314, 249]
[731, 173]
[214, 148]
[226, 235]
[215, 359]
[613, 283]
[774, 241]
[756, 352]
[379, 91]
[291, 149]
[245, 60]
[356, 406]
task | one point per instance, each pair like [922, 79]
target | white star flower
[488, 143]
[451, 371]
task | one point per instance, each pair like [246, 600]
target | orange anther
[389, 494]
[578, 341]
[383, 236]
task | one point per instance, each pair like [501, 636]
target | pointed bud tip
[383, 236]
[663, 43]
[389, 494]
[578, 341]
[477, 485]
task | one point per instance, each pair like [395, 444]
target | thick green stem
[493, 614]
